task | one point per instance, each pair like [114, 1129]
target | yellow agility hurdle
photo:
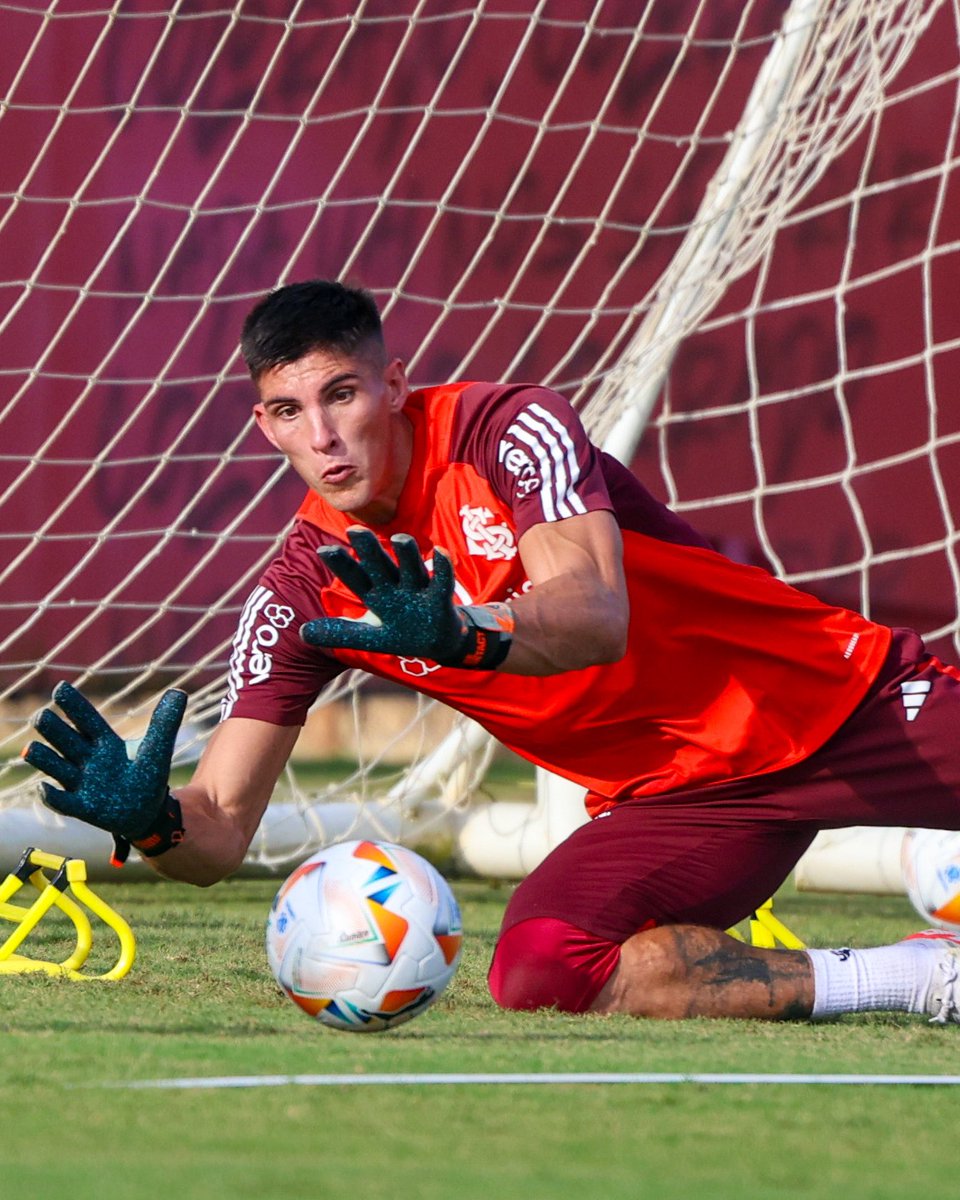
[69, 876]
[767, 931]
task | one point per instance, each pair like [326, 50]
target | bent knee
[547, 963]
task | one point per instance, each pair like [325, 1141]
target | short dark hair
[316, 314]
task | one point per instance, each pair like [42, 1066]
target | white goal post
[728, 232]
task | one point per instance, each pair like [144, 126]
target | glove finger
[50, 763]
[413, 573]
[156, 748]
[336, 633]
[443, 577]
[377, 563]
[64, 803]
[347, 569]
[80, 711]
[62, 736]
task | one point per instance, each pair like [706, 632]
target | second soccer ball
[931, 874]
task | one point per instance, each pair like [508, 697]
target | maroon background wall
[144, 159]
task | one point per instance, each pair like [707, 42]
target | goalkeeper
[469, 541]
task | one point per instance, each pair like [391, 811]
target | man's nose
[323, 436]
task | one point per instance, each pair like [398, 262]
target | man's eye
[342, 394]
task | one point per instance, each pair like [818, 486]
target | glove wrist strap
[488, 635]
[165, 833]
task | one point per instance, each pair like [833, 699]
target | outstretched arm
[198, 834]
[575, 615]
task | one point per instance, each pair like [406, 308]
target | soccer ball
[930, 859]
[364, 935]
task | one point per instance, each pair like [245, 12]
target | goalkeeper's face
[338, 419]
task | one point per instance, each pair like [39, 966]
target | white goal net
[730, 233]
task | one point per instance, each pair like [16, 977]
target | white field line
[571, 1077]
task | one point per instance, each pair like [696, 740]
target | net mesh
[739, 227]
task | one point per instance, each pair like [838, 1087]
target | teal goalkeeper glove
[416, 613]
[101, 784]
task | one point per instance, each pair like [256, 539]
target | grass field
[200, 1002]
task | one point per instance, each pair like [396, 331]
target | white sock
[894, 978]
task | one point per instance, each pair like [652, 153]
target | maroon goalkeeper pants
[710, 856]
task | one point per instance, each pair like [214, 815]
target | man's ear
[395, 377]
[260, 416]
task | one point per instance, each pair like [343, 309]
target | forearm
[565, 624]
[576, 613]
[225, 800]
[214, 842]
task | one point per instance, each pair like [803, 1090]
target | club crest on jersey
[486, 537]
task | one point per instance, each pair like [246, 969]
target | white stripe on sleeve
[241, 645]
[551, 443]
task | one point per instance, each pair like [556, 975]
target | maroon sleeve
[529, 443]
[274, 675]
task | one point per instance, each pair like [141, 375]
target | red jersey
[728, 672]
